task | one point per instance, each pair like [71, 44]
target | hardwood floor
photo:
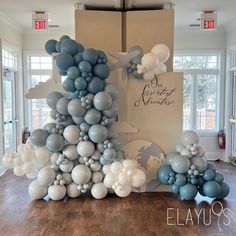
[138, 214]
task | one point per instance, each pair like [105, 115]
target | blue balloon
[212, 189]
[80, 83]
[69, 85]
[64, 61]
[73, 72]
[224, 191]
[78, 120]
[174, 189]
[180, 180]
[55, 143]
[211, 166]
[164, 173]
[102, 56]
[101, 70]
[188, 191]
[96, 85]
[200, 180]
[71, 46]
[78, 58]
[38, 137]
[64, 37]
[90, 55]
[104, 161]
[74, 95]
[49, 127]
[85, 66]
[208, 175]
[219, 177]
[85, 127]
[50, 46]
[201, 191]
[58, 46]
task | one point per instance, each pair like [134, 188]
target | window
[201, 85]
[9, 57]
[39, 69]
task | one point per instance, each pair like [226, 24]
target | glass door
[9, 111]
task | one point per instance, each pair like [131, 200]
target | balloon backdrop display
[188, 172]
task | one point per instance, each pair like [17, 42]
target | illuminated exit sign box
[208, 21]
[40, 21]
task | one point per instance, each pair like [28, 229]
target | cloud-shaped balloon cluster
[146, 66]
[188, 171]
[123, 176]
[27, 161]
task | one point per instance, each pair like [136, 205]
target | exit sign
[39, 20]
[208, 21]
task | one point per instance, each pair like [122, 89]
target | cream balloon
[56, 192]
[148, 75]
[72, 134]
[162, 52]
[42, 154]
[138, 179]
[123, 191]
[99, 191]
[46, 176]
[160, 68]
[37, 191]
[149, 61]
[72, 190]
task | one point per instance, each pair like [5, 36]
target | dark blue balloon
[224, 191]
[101, 70]
[80, 83]
[64, 37]
[78, 58]
[175, 189]
[74, 95]
[212, 189]
[58, 46]
[208, 175]
[69, 85]
[71, 46]
[102, 56]
[200, 180]
[64, 61]
[85, 66]
[188, 191]
[219, 177]
[96, 85]
[73, 72]
[50, 46]
[90, 55]
[180, 180]
[62, 72]
[164, 173]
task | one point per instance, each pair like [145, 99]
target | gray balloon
[136, 48]
[92, 116]
[112, 133]
[180, 164]
[62, 106]
[49, 127]
[38, 137]
[100, 147]
[102, 101]
[98, 133]
[75, 108]
[112, 112]
[109, 154]
[170, 157]
[53, 114]
[78, 120]
[55, 142]
[200, 163]
[84, 127]
[68, 121]
[53, 98]
[112, 90]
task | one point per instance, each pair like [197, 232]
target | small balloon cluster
[146, 66]
[80, 141]
[188, 172]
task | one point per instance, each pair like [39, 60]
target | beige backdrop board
[99, 29]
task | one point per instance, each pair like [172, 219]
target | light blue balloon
[62, 72]
[170, 157]
[52, 99]
[188, 191]
[62, 106]
[38, 137]
[96, 85]
[180, 164]
[78, 120]
[49, 127]
[109, 154]
[64, 61]
[208, 175]
[219, 177]
[53, 114]
[104, 161]
[212, 189]
[174, 189]
[211, 166]
[90, 55]
[71, 46]
[136, 48]
[75, 108]
[55, 143]
[69, 85]
[58, 46]
[180, 180]
[85, 127]
[50, 46]
[224, 191]
[93, 116]
[73, 72]
[85, 66]
[102, 56]
[164, 173]
[100, 147]
[80, 83]
[68, 121]
[78, 58]
[98, 133]
[101, 70]
[112, 112]
[102, 101]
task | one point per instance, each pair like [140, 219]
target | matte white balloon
[81, 174]
[99, 191]
[162, 51]
[67, 178]
[37, 191]
[56, 192]
[148, 75]
[138, 179]
[28, 167]
[46, 176]
[72, 190]
[42, 154]
[18, 171]
[97, 177]
[189, 137]
[123, 191]
[85, 148]
[70, 151]
[149, 61]
[72, 134]
[67, 167]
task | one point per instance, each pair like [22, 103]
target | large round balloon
[99, 191]
[180, 164]
[72, 190]
[38, 137]
[73, 72]
[70, 151]
[50, 46]
[52, 99]
[212, 189]
[69, 85]
[85, 148]
[93, 116]
[96, 85]
[75, 108]
[37, 191]
[71, 46]
[189, 137]
[46, 176]
[164, 173]
[188, 191]
[224, 191]
[90, 55]
[64, 61]
[102, 101]
[200, 163]
[55, 142]
[56, 192]
[62, 105]
[101, 70]
[162, 51]
[81, 174]
[149, 61]
[85, 66]
[72, 134]
[98, 133]
[170, 157]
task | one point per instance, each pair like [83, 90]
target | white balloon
[46, 176]
[20, 148]
[109, 180]
[96, 166]
[160, 68]
[138, 179]
[116, 167]
[179, 148]
[123, 191]
[72, 190]
[148, 75]
[70, 151]
[97, 177]
[28, 167]
[27, 155]
[67, 167]
[37, 191]
[67, 178]
[56, 192]
[162, 51]
[106, 169]
[81, 174]
[149, 61]
[124, 179]
[85, 148]
[130, 164]
[18, 171]
[72, 134]
[185, 152]
[54, 157]
[42, 154]
[17, 160]
[99, 191]
[189, 137]
[32, 175]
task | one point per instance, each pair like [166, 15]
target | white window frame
[220, 85]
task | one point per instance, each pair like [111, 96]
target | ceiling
[61, 12]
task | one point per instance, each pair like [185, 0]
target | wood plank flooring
[138, 214]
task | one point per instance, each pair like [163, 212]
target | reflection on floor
[139, 214]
